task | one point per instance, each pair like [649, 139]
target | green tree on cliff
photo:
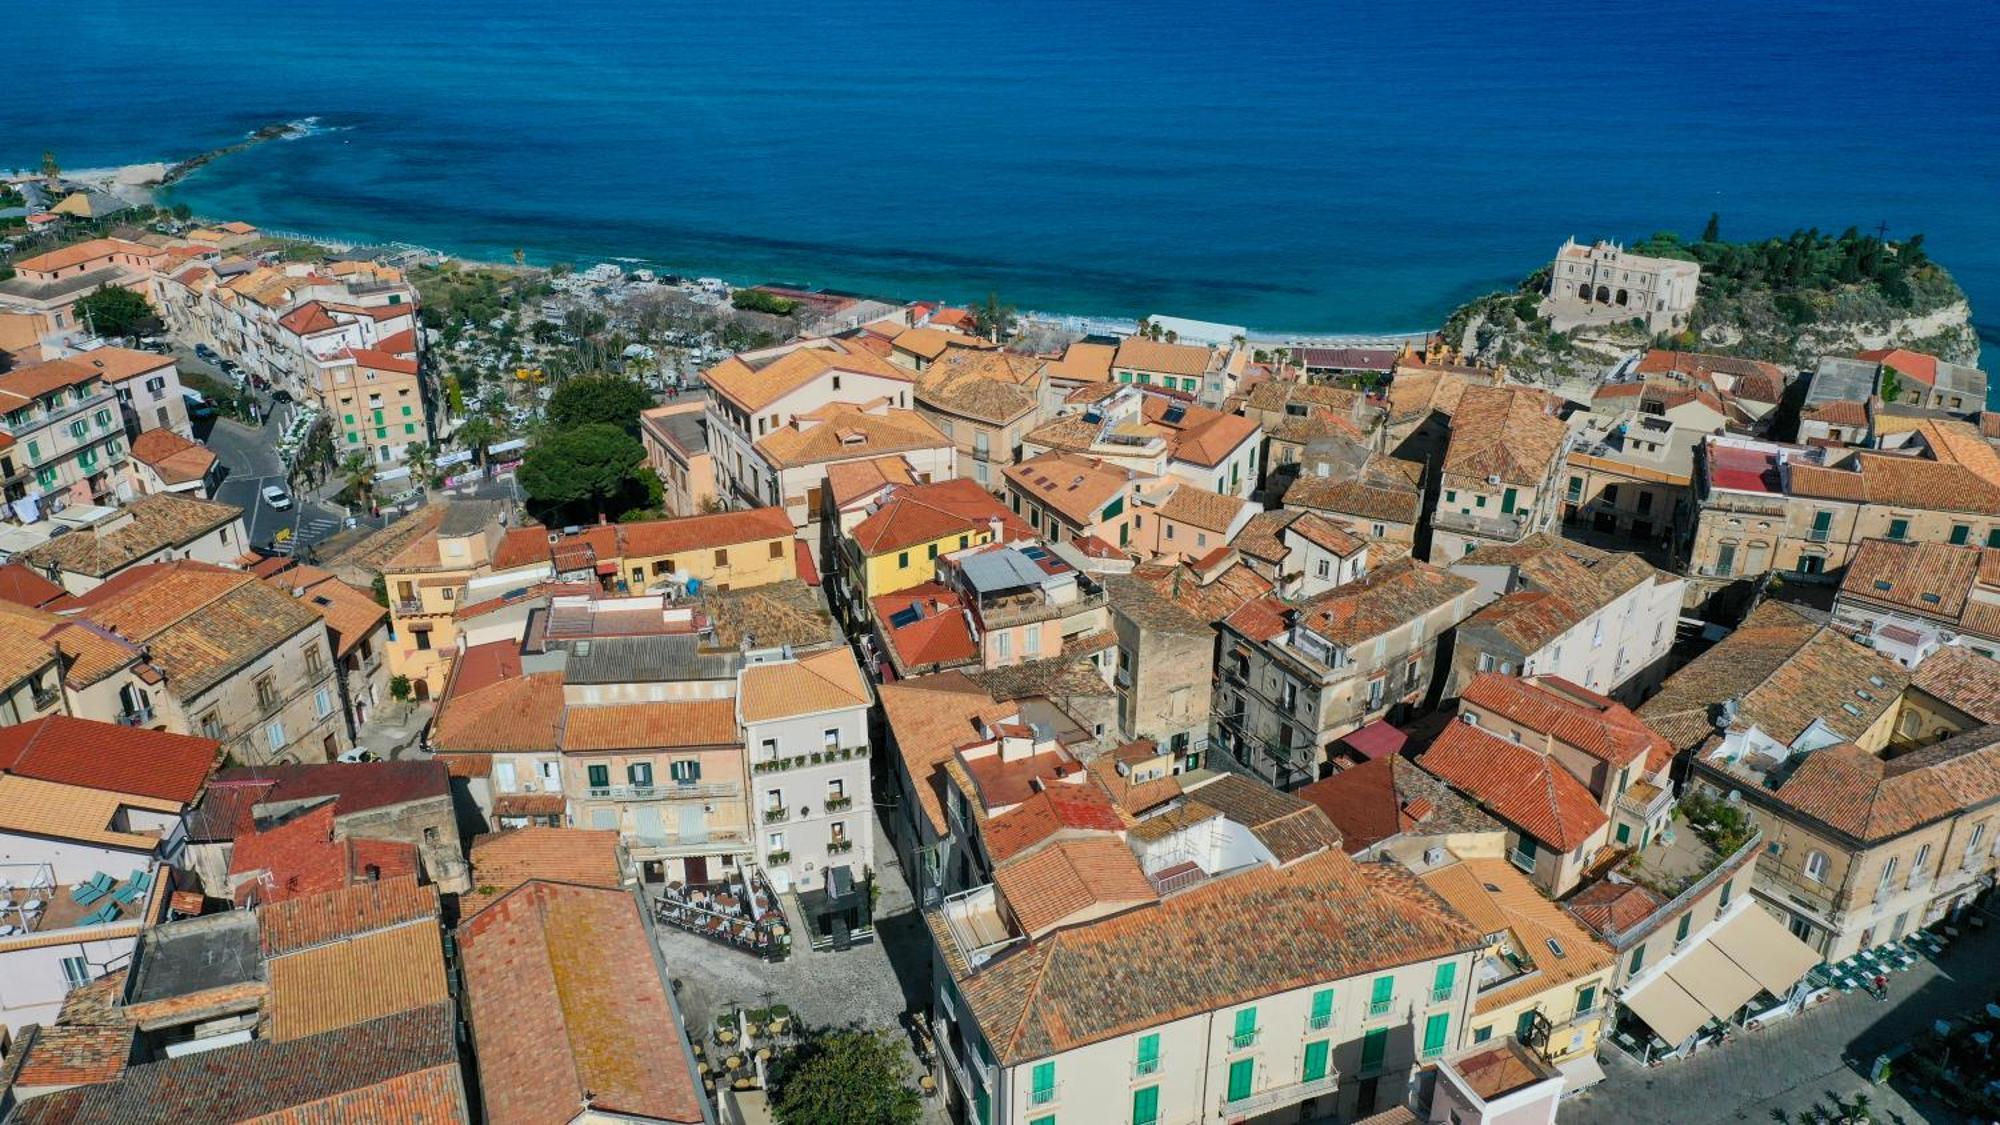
[1713, 231]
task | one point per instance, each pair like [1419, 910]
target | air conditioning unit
[528, 787]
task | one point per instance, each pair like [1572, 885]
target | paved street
[1801, 1062]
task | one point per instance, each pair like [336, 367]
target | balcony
[45, 699]
[1244, 1040]
[669, 792]
[808, 761]
[1442, 995]
[135, 717]
[839, 847]
[1145, 1068]
[1644, 801]
[777, 815]
[1380, 1007]
[838, 804]
[728, 840]
[1276, 1097]
[404, 607]
[1508, 528]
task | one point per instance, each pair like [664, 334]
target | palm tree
[477, 433]
[360, 476]
[422, 460]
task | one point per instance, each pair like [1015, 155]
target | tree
[360, 477]
[183, 212]
[1892, 384]
[422, 460]
[591, 464]
[114, 311]
[1713, 231]
[599, 399]
[845, 1078]
[992, 319]
[478, 432]
[51, 171]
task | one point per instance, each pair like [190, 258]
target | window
[1246, 1029]
[903, 560]
[1315, 1062]
[267, 693]
[1586, 999]
[1681, 931]
[76, 972]
[1148, 1060]
[722, 556]
[1146, 1106]
[1445, 980]
[1436, 1029]
[600, 776]
[1322, 1009]
[1638, 961]
[639, 775]
[1728, 889]
[1524, 854]
[775, 842]
[1972, 844]
[1374, 1047]
[1482, 1034]
[314, 664]
[1959, 534]
[1242, 1078]
[1923, 861]
[1043, 1089]
[933, 550]
[1381, 995]
[685, 771]
[211, 726]
[322, 703]
[1816, 866]
[1899, 529]
[274, 734]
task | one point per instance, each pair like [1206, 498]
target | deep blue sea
[1311, 167]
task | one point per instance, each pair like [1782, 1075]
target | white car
[276, 497]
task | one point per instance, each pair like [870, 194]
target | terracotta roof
[175, 459]
[72, 812]
[853, 480]
[1082, 363]
[988, 386]
[1418, 391]
[756, 387]
[402, 1067]
[843, 431]
[1525, 788]
[1917, 365]
[930, 717]
[1289, 825]
[309, 921]
[1320, 532]
[1605, 730]
[1496, 896]
[1386, 489]
[1077, 878]
[940, 635]
[1784, 671]
[1612, 907]
[109, 756]
[505, 860]
[157, 522]
[567, 1006]
[1390, 796]
[82, 252]
[671, 724]
[925, 513]
[931, 343]
[1872, 799]
[1081, 807]
[823, 681]
[1198, 507]
[119, 365]
[1073, 486]
[1845, 412]
[1932, 579]
[1964, 679]
[506, 711]
[200, 624]
[1202, 436]
[1508, 432]
[1142, 354]
[1259, 538]
[22, 586]
[59, 1055]
[350, 612]
[1384, 598]
[303, 856]
[307, 319]
[226, 808]
[1175, 597]
[1223, 942]
[365, 976]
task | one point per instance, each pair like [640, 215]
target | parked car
[357, 755]
[277, 497]
[206, 352]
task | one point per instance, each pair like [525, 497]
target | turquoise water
[1289, 167]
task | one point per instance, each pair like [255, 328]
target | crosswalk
[309, 533]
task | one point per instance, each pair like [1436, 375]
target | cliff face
[1793, 328]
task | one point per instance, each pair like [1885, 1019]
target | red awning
[607, 568]
[1376, 740]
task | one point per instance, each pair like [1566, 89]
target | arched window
[1583, 291]
[1603, 294]
[1621, 297]
[1816, 866]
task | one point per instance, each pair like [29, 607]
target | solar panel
[1175, 413]
[904, 618]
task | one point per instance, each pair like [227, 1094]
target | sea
[1294, 167]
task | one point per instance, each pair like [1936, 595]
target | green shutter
[1959, 534]
[1246, 1028]
[1638, 961]
[1146, 1106]
[1727, 889]
[1899, 528]
[1525, 1024]
[1045, 1119]
[1993, 537]
[1149, 1053]
[1445, 980]
[1681, 931]
[409, 428]
[1315, 1061]
[1586, 999]
[1507, 499]
[1242, 1075]
[1043, 1083]
[1380, 995]
[1435, 1030]
[600, 776]
[406, 412]
[1374, 1046]
[1482, 1034]
[1322, 1011]
[350, 419]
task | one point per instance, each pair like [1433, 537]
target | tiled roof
[670, 724]
[842, 431]
[304, 857]
[1933, 579]
[1201, 436]
[1483, 889]
[356, 787]
[362, 977]
[1223, 942]
[322, 919]
[1320, 532]
[25, 647]
[1081, 807]
[567, 1006]
[988, 386]
[1964, 679]
[402, 1067]
[69, 812]
[824, 681]
[1872, 799]
[930, 343]
[1198, 507]
[1291, 826]
[94, 652]
[1381, 600]
[1917, 365]
[22, 586]
[1086, 877]
[1612, 907]
[1605, 730]
[941, 636]
[523, 712]
[1389, 796]
[1525, 788]
[755, 387]
[58, 1055]
[1506, 432]
[1142, 354]
[1082, 363]
[1784, 671]
[1259, 538]
[924, 513]
[853, 480]
[79, 253]
[200, 623]
[1074, 486]
[109, 756]
[350, 612]
[505, 860]
[930, 717]
[175, 459]
[1386, 489]
[1414, 394]
[790, 612]
[157, 522]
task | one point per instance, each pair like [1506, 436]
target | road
[250, 461]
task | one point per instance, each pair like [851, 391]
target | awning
[1713, 979]
[1580, 1073]
[1761, 946]
[1668, 1009]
